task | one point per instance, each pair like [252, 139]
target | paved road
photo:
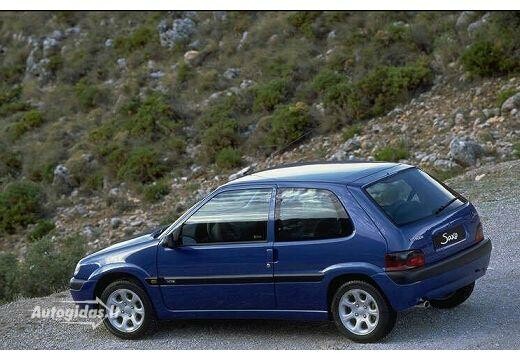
[490, 319]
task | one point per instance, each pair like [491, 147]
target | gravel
[488, 320]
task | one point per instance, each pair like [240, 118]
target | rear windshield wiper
[438, 211]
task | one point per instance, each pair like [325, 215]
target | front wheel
[361, 312]
[454, 299]
[130, 313]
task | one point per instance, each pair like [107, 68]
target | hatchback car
[350, 242]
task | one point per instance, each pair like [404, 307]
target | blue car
[350, 242]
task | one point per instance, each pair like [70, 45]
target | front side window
[231, 216]
[310, 214]
[412, 195]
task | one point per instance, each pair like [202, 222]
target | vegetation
[20, 205]
[392, 153]
[228, 158]
[288, 124]
[42, 228]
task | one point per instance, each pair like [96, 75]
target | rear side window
[412, 195]
[230, 217]
[310, 214]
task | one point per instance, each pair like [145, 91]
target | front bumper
[405, 289]
[82, 290]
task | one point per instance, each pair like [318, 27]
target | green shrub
[220, 135]
[42, 228]
[88, 95]
[10, 162]
[9, 277]
[325, 79]
[49, 265]
[20, 205]
[504, 95]
[351, 131]
[135, 41]
[29, 120]
[184, 72]
[487, 58]
[152, 118]
[288, 124]
[268, 95]
[142, 165]
[155, 191]
[385, 87]
[303, 21]
[228, 158]
[392, 153]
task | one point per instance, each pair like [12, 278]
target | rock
[479, 177]
[445, 164]
[121, 63]
[136, 223]
[157, 74]
[231, 73]
[331, 35]
[62, 181]
[88, 231]
[114, 192]
[73, 30]
[247, 83]
[243, 40]
[191, 57]
[109, 43]
[180, 31]
[339, 155]
[115, 222]
[464, 20]
[474, 27]
[243, 172]
[511, 103]
[465, 151]
[489, 113]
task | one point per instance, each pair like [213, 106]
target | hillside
[112, 123]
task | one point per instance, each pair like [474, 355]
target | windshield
[412, 195]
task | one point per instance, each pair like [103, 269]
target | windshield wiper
[438, 211]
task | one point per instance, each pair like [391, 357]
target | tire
[373, 311]
[137, 304]
[454, 299]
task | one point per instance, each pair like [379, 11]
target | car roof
[332, 172]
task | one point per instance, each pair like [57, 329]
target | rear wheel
[361, 313]
[130, 313]
[454, 299]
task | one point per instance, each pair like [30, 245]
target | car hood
[121, 250]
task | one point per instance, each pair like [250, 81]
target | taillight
[404, 260]
[479, 236]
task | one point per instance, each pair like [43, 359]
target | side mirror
[173, 240]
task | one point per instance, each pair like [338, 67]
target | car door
[224, 262]
[313, 232]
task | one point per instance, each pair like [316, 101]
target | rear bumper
[406, 288]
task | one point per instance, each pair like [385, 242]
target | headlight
[76, 270]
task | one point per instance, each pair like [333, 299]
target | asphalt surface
[490, 319]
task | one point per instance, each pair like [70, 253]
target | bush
[20, 205]
[267, 96]
[10, 162]
[288, 124]
[392, 153]
[220, 135]
[155, 191]
[351, 131]
[303, 21]
[9, 277]
[29, 120]
[228, 158]
[143, 166]
[486, 58]
[152, 118]
[49, 265]
[135, 41]
[42, 228]
[504, 95]
[88, 95]
[385, 87]
[325, 79]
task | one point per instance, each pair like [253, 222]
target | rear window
[412, 195]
